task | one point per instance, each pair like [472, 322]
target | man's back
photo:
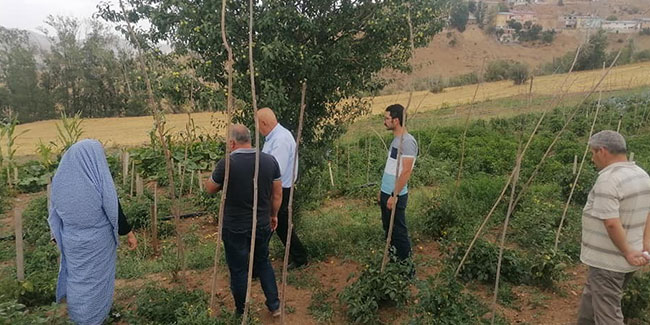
[238, 211]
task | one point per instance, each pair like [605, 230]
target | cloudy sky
[30, 14]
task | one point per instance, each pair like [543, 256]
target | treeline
[88, 71]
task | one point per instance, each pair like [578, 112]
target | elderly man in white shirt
[615, 229]
[280, 144]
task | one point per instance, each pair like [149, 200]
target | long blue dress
[83, 215]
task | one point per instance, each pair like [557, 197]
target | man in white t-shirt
[392, 182]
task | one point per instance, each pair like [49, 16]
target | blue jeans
[237, 245]
[400, 239]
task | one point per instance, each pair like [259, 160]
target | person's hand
[391, 202]
[274, 222]
[636, 258]
[131, 241]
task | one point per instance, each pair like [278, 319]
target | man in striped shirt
[614, 229]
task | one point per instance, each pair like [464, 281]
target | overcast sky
[30, 14]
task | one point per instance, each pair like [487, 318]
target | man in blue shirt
[393, 182]
[279, 143]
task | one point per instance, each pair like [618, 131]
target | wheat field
[133, 131]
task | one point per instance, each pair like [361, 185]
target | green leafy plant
[363, 297]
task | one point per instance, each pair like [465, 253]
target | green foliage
[33, 177]
[636, 298]
[169, 306]
[138, 212]
[481, 264]
[505, 69]
[459, 15]
[363, 297]
[442, 300]
[35, 226]
[645, 31]
[338, 48]
[12, 312]
[321, 305]
[69, 132]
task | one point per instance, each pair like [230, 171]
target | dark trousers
[400, 239]
[297, 252]
[237, 245]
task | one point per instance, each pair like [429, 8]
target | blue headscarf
[83, 220]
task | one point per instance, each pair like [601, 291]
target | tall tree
[20, 89]
[338, 46]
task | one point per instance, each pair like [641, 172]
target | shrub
[35, 227]
[518, 72]
[636, 298]
[163, 306]
[363, 297]
[443, 300]
[645, 31]
[497, 70]
[33, 177]
[481, 264]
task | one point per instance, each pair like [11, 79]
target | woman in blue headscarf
[84, 211]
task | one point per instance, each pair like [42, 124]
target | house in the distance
[644, 23]
[582, 22]
[522, 17]
[621, 26]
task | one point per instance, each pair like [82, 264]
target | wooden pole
[399, 157]
[575, 164]
[251, 253]
[577, 173]
[125, 167]
[503, 234]
[154, 221]
[159, 124]
[632, 156]
[229, 106]
[191, 184]
[139, 185]
[329, 166]
[287, 248]
[132, 176]
[20, 259]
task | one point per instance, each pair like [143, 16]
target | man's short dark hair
[396, 111]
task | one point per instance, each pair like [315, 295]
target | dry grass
[624, 77]
[133, 131]
[113, 132]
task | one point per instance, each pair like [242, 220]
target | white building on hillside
[621, 26]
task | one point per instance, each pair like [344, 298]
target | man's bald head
[267, 120]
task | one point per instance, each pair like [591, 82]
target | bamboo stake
[20, 259]
[160, 127]
[329, 166]
[229, 106]
[556, 101]
[347, 172]
[125, 167]
[632, 156]
[503, 234]
[198, 178]
[132, 177]
[285, 262]
[257, 165]
[403, 119]
[464, 137]
[575, 164]
[368, 160]
[579, 171]
[154, 221]
[139, 186]
[559, 134]
[191, 182]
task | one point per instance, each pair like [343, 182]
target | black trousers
[400, 239]
[297, 252]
